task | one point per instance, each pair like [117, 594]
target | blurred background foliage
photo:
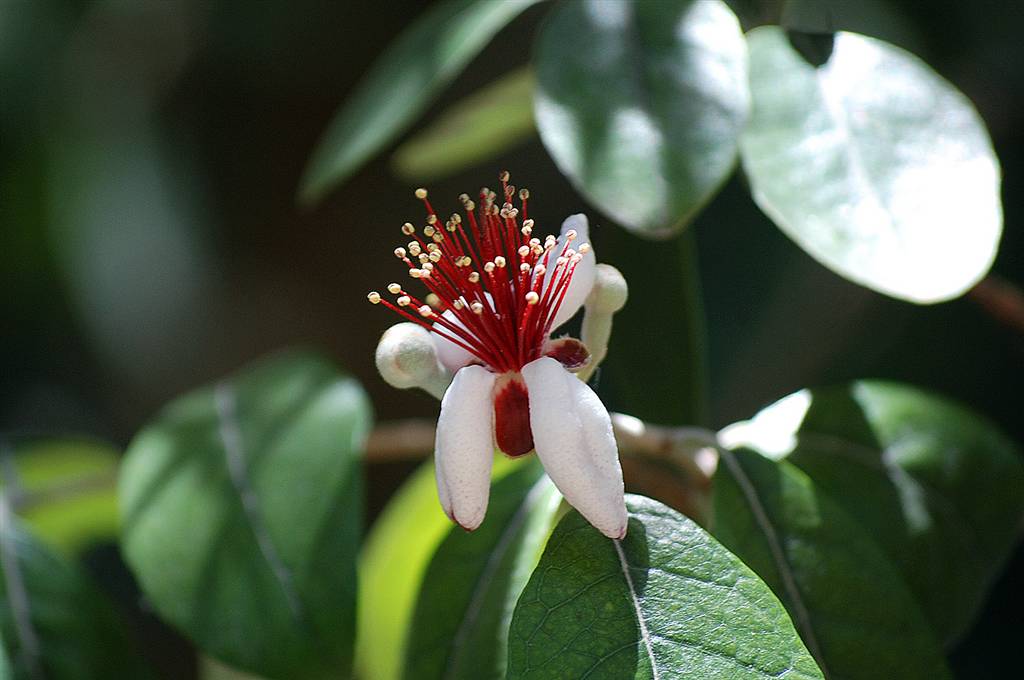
[150, 240]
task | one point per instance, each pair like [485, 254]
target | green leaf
[242, 511]
[875, 165]
[394, 559]
[666, 602]
[940, 488]
[64, 490]
[673, 389]
[641, 104]
[53, 622]
[472, 130]
[460, 628]
[392, 566]
[403, 82]
[850, 605]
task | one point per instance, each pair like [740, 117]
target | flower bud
[610, 291]
[406, 357]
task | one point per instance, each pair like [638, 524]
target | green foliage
[467, 595]
[848, 602]
[425, 58]
[672, 390]
[641, 104]
[875, 165]
[64, 490]
[53, 622]
[472, 130]
[666, 602]
[938, 487]
[242, 506]
[391, 567]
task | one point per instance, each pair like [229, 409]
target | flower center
[494, 289]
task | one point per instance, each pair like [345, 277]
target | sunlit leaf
[241, 515]
[392, 566]
[460, 628]
[472, 130]
[848, 602]
[641, 104]
[53, 622]
[875, 165]
[403, 82]
[939, 487]
[64, 490]
[668, 601]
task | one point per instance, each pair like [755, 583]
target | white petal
[583, 277]
[449, 354]
[573, 437]
[464, 447]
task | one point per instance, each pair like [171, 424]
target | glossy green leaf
[53, 622]
[460, 628]
[241, 516]
[64, 490]
[641, 104]
[668, 601]
[403, 82]
[472, 130]
[940, 488]
[849, 603]
[875, 165]
[392, 566]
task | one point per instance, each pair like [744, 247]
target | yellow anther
[433, 301]
[425, 310]
[524, 268]
[373, 297]
[400, 253]
[435, 256]
[523, 251]
[428, 231]
[499, 261]
[408, 229]
[532, 298]
[421, 193]
[524, 194]
[477, 308]
[394, 288]
[504, 176]
[488, 267]
[415, 273]
[474, 277]
[404, 301]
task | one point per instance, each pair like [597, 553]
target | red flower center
[494, 289]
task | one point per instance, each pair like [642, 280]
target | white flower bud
[406, 357]
[610, 291]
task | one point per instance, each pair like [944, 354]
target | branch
[693, 447]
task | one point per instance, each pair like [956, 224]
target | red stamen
[502, 286]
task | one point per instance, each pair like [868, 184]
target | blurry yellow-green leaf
[395, 558]
[64, 489]
[472, 130]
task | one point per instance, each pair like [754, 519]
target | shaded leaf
[53, 622]
[641, 104]
[64, 490]
[666, 602]
[875, 165]
[940, 488]
[460, 627]
[849, 603]
[242, 510]
[671, 390]
[403, 82]
[472, 130]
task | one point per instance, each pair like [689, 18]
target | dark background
[150, 241]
